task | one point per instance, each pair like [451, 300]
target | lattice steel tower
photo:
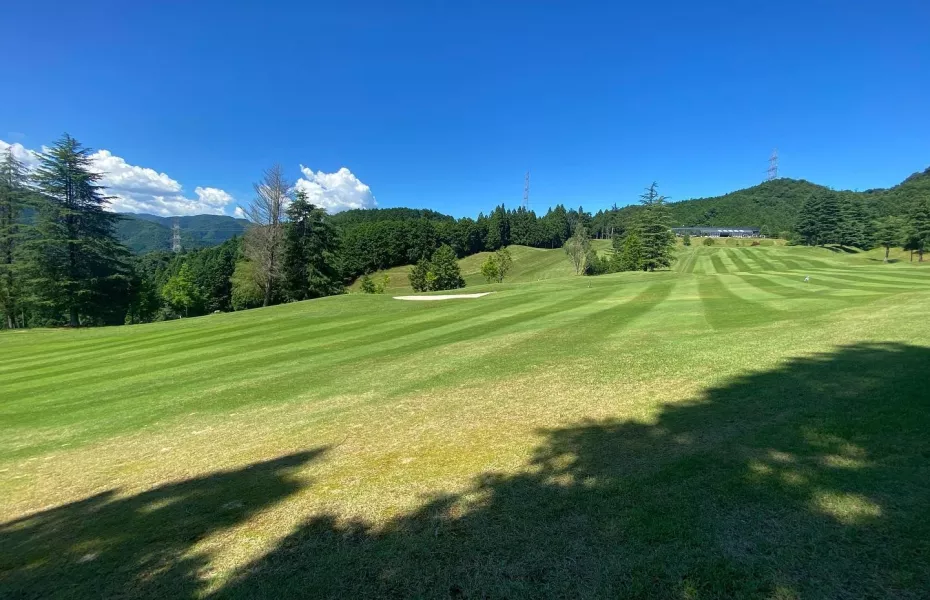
[526, 191]
[176, 236]
[773, 166]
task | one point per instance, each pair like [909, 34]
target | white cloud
[29, 158]
[239, 213]
[141, 189]
[335, 192]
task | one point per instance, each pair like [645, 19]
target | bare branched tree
[263, 241]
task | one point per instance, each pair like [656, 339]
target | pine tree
[655, 230]
[78, 268]
[919, 228]
[310, 244]
[13, 193]
[854, 229]
[630, 255]
[890, 233]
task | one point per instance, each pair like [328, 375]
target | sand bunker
[444, 297]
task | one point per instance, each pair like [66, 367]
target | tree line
[844, 219]
[62, 264]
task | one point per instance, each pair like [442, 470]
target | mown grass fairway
[720, 430]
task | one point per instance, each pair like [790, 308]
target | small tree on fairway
[503, 261]
[889, 233]
[489, 269]
[655, 230]
[445, 266]
[708, 241]
[577, 248]
[686, 240]
[368, 286]
[180, 292]
[417, 276]
[441, 272]
[382, 283]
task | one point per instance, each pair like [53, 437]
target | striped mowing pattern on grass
[717, 426]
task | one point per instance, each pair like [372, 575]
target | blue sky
[445, 105]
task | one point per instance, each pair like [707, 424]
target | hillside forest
[66, 261]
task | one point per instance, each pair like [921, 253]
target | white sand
[444, 297]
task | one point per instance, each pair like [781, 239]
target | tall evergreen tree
[918, 228]
[310, 244]
[889, 233]
[629, 257]
[819, 219]
[78, 268]
[13, 193]
[655, 230]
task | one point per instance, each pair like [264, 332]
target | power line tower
[526, 191]
[773, 166]
[176, 236]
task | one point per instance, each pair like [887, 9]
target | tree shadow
[810, 480]
[140, 546]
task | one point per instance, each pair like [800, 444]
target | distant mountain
[144, 233]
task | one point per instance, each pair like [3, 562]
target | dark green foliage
[441, 272]
[630, 256]
[78, 270]
[890, 233]
[686, 240]
[14, 196]
[819, 219]
[444, 265]
[310, 245]
[417, 275]
[708, 241]
[917, 230]
[654, 229]
[498, 229]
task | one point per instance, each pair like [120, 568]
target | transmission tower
[176, 236]
[526, 191]
[773, 166]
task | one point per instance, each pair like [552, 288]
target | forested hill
[144, 233]
[774, 205]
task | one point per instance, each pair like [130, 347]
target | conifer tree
[78, 268]
[655, 230]
[630, 256]
[310, 244]
[13, 194]
[890, 233]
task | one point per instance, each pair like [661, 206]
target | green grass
[719, 430]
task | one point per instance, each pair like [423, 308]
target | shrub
[686, 240]
[755, 243]
[368, 286]
[708, 241]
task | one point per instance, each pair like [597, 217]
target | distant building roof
[718, 229]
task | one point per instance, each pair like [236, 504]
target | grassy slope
[720, 430]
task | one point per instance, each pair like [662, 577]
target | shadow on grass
[811, 480]
[139, 546]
